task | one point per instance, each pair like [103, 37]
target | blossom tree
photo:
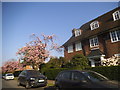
[11, 66]
[36, 51]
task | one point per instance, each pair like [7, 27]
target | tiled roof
[96, 52]
[106, 23]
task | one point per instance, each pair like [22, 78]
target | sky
[21, 19]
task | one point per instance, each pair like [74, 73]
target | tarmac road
[12, 85]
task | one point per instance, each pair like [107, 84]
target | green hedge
[111, 72]
[52, 73]
[16, 73]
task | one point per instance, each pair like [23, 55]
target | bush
[111, 72]
[16, 73]
[78, 60]
[52, 73]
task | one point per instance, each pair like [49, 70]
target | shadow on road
[50, 88]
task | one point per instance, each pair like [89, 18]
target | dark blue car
[32, 78]
[83, 79]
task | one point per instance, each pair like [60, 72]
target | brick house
[97, 39]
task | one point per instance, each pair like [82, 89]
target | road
[12, 85]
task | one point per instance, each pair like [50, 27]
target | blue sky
[21, 19]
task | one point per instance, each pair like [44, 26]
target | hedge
[111, 72]
[16, 73]
[52, 73]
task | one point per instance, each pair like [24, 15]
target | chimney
[73, 32]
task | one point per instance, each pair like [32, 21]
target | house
[97, 39]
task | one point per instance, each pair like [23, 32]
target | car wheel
[57, 88]
[27, 86]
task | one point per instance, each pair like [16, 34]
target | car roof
[9, 73]
[81, 71]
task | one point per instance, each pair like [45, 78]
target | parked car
[3, 76]
[83, 79]
[8, 76]
[31, 78]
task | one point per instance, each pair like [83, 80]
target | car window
[33, 72]
[94, 76]
[9, 74]
[65, 75]
[59, 75]
[77, 76]
[23, 73]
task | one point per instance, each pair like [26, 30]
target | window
[66, 75]
[77, 76]
[77, 33]
[115, 36]
[70, 48]
[94, 25]
[94, 42]
[78, 46]
[116, 15]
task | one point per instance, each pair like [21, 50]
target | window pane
[70, 49]
[116, 15]
[94, 25]
[113, 36]
[66, 75]
[77, 33]
[77, 76]
[118, 34]
[91, 42]
[96, 41]
[78, 46]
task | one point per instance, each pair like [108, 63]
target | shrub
[16, 73]
[52, 73]
[78, 60]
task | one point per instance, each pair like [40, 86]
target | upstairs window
[77, 33]
[70, 48]
[94, 25]
[94, 42]
[78, 46]
[116, 15]
[115, 36]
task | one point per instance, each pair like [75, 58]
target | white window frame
[93, 43]
[70, 49]
[94, 25]
[78, 46]
[77, 33]
[114, 36]
[116, 15]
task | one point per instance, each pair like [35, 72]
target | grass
[50, 84]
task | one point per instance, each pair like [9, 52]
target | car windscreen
[94, 76]
[9, 74]
[33, 72]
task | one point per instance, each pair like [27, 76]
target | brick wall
[105, 45]
[68, 56]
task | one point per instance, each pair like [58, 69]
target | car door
[79, 80]
[65, 79]
[22, 77]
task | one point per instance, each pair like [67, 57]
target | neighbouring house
[28, 67]
[98, 39]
